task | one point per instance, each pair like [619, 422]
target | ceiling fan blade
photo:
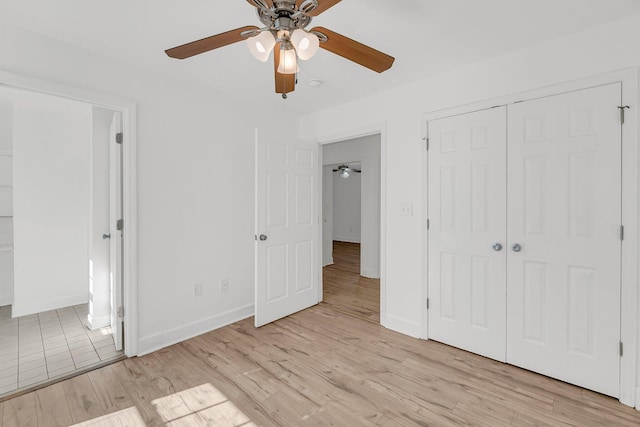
[285, 83]
[204, 45]
[322, 6]
[355, 51]
[268, 3]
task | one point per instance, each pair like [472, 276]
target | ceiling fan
[285, 33]
[344, 170]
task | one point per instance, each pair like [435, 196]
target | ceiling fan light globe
[306, 43]
[261, 45]
[288, 63]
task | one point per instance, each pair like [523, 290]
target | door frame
[629, 306]
[129, 184]
[375, 129]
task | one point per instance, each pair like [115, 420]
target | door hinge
[621, 349]
[427, 303]
[119, 138]
[426, 142]
[120, 312]
[428, 225]
[119, 225]
[622, 108]
[621, 232]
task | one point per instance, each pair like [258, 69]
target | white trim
[129, 149]
[630, 306]
[345, 239]
[155, 342]
[404, 326]
[375, 129]
[94, 323]
[6, 300]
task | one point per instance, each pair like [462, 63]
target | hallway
[345, 290]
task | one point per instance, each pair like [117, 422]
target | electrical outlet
[224, 285]
[197, 290]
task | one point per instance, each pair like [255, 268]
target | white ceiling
[426, 37]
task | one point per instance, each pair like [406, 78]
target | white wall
[327, 215]
[6, 203]
[99, 283]
[610, 47]
[51, 156]
[346, 208]
[195, 223]
[366, 150]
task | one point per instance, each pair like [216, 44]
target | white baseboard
[346, 239]
[370, 274]
[155, 342]
[33, 307]
[330, 262]
[5, 300]
[638, 398]
[98, 322]
[403, 326]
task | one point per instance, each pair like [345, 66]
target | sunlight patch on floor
[129, 417]
[203, 405]
[200, 406]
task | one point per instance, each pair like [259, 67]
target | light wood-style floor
[345, 290]
[320, 367]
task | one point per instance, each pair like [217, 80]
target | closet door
[564, 185]
[466, 238]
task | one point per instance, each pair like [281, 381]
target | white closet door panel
[467, 208]
[564, 186]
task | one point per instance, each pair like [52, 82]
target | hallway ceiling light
[286, 35]
[343, 171]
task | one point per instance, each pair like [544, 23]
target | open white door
[287, 227]
[115, 227]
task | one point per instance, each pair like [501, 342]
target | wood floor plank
[82, 398]
[139, 387]
[330, 365]
[20, 412]
[112, 397]
[52, 408]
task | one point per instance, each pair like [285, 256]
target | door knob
[106, 236]
[263, 237]
[516, 247]
[497, 247]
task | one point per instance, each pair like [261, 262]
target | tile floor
[46, 345]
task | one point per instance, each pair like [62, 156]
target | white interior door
[288, 251]
[116, 229]
[564, 187]
[467, 208]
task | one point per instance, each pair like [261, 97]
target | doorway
[351, 226]
[57, 185]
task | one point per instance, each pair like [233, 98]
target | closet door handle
[516, 247]
[497, 247]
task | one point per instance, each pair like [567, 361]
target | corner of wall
[404, 326]
[173, 336]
